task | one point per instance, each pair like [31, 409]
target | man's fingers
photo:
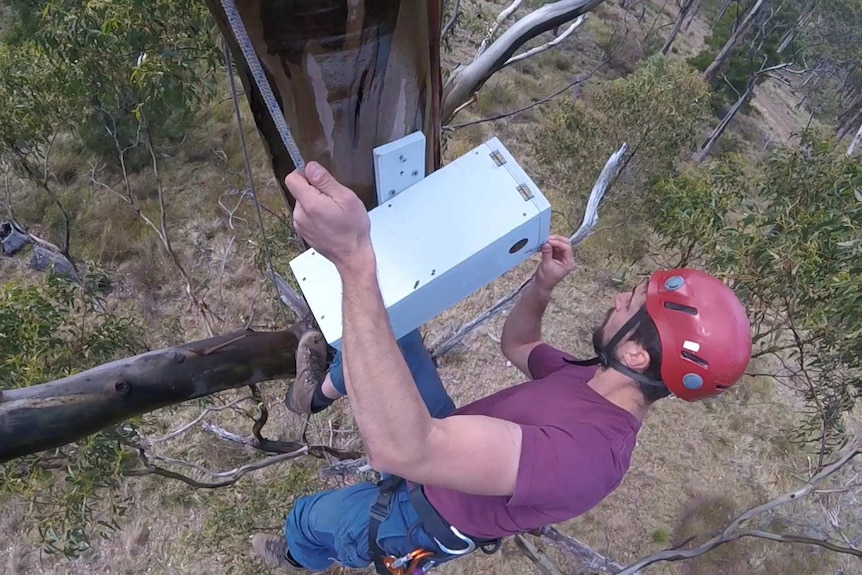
[300, 188]
[320, 178]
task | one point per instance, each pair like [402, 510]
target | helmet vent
[691, 357]
[721, 386]
[680, 307]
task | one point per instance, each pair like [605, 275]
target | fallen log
[52, 414]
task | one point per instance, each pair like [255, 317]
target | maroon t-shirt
[576, 448]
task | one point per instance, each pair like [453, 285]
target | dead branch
[606, 177]
[456, 9]
[272, 446]
[200, 305]
[547, 45]
[291, 299]
[592, 559]
[733, 531]
[227, 477]
[799, 539]
[346, 467]
[149, 442]
[466, 80]
[545, 565]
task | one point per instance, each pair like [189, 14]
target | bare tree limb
[592, 559]
[456, 8]
[290, 298]
[504, 15]
[227, 477]
[780, 538]
[466, 80]
[733, 531]
[547, 45]
[149, 442]
[273, 446]
[545, 565]
[346, 467]
[607, 175]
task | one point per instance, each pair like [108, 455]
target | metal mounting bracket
[398, 165]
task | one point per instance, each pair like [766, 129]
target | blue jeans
[332, 526]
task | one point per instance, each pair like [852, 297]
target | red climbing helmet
[703, 329]
[704, 332]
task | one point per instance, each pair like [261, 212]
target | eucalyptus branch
[149, 442]
[467, 80]
[273, 446]
[547, 45]
[574, 84]
[545, 565]
[227, 477]
[456, 8]
[733, 531]
[498, 21]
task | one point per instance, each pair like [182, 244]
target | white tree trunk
[683, 12]
[725, 121]
[856, 139]
[712, 70]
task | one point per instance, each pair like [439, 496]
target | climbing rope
[267, 253]
[262, 83]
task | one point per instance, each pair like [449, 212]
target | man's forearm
[392, 418]
[524, 323]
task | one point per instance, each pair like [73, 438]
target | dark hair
[646, 334]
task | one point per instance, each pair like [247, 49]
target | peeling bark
[349, 76]
[52, 414]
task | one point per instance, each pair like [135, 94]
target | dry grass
[695, 465]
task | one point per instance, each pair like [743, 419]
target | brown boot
[310, 372]
[273, 550]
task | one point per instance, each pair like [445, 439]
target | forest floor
[695, 467]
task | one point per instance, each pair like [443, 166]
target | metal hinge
[525, 191]
[497, 157]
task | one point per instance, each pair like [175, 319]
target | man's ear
[633, 355]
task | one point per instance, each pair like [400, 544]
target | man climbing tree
[541, 452]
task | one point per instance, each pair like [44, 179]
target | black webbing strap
[379, 512]
[606, 357]
[437, 527]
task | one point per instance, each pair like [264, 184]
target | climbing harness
[451, 543]
[262, 83]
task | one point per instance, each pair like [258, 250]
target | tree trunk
[800, 22]
[712, 70]
[52, 414]
[707, 146]
[856, 139]
[349, 76]
[725, 4]
[683, 12]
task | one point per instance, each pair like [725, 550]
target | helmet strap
[605, 355]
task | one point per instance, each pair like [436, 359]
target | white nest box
[438, 238]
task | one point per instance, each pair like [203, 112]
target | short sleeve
[545, 359]
[559, 470]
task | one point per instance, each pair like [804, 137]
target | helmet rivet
[673, 283]
[692, 381]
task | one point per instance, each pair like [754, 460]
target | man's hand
[330, 217]
[557, 261]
